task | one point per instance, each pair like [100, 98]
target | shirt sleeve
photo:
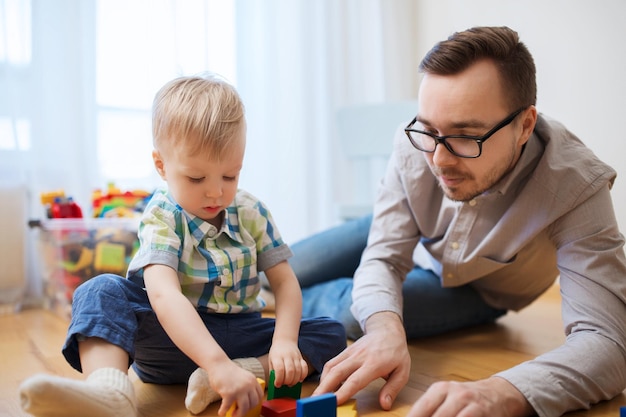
[159, 242]
[257, 220]
[387, 258]
[591, 365]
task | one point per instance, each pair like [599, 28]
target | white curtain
[295, 62]
[299, 61]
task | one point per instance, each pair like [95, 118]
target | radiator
[13, 243]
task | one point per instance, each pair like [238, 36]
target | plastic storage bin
[72, 251]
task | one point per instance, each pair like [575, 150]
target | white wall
[580, 58]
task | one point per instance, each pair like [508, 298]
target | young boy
[189, 309]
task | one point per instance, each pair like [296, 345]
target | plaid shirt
[217, 269]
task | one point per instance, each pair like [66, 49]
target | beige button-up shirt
[552, 215]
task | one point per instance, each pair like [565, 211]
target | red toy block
[279, 407]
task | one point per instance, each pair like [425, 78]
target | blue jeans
[325, 264]
[118, 311]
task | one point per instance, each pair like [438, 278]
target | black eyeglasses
[464, 146]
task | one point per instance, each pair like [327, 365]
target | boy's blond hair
[202, 114]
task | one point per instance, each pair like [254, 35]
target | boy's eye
[230, 178]
[195, 180]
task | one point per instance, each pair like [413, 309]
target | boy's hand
[287, 362]
[235, 385]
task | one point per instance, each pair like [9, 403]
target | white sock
[107, 392]
[199, 391]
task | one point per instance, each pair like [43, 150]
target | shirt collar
[201, 229]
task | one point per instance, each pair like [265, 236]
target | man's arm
[484, 398]
[377, 296]
[591, 365]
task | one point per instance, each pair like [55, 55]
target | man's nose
[443, 157]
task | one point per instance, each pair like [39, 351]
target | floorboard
[30, 343]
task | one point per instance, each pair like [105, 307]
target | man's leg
[331, 299]
[428, 308]
[330, 254]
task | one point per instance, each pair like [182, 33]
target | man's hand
[485, 398]
[381, 353]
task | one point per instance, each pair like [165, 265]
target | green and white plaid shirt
[218, 269]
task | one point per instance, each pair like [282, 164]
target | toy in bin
[75, 250]
[118, 203]
[58, 206]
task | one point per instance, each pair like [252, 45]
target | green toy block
[110, 257]
[284, 390]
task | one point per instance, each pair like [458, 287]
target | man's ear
[529, 119]
[158, 163]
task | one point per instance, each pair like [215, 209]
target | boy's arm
[183, 325]
[285, 357]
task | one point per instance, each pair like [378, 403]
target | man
[484, 203]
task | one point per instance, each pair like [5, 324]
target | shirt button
[225, 272]
[212, 233]
[455, 245]
[472, 202]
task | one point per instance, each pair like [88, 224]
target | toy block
[324, 405]
[348, 409]
[85, 260]
[622, 412]
[253, 412]
[284, 390]
[110, 257]
[279, 407]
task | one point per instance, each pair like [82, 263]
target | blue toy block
[324, 405]
[622, 412]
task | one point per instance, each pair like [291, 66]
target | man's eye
[429, 130]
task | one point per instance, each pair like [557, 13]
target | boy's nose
[213, 191]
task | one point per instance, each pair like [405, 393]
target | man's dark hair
[498, 44]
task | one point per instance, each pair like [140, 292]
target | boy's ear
[158, 163]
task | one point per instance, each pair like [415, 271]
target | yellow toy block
[348, 409]
[253, 412]
[110, 257]
[84, 261]
[48, 198]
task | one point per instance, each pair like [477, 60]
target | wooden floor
[30, 343]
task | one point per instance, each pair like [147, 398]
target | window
[141, 45]
[15, 35]
[15, 58]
